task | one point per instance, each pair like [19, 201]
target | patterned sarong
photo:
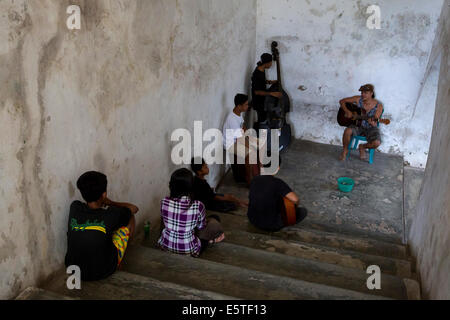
[120, 239]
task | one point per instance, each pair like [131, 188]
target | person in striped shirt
[186, 228]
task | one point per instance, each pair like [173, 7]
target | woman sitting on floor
[186, 228]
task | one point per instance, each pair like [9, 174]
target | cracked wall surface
[430, 234]
[326, 47]
[106, 97]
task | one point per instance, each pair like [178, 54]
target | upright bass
[277, 108]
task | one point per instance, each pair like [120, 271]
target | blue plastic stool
[354, 143]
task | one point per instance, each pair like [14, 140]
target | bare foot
[343, 155]
[362, 152]
[219, 239]
[243, 204]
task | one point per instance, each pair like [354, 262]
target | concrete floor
[373, 209]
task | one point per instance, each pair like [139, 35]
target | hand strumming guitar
[373, 122]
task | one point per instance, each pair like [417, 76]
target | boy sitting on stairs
[186, 228]
[204, 193]
[266, 201]
[97, 237]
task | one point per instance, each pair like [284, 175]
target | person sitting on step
[368, 128]
[234, 131]
[204, 193]
[186, 228]
[97, 237]
[266, 196]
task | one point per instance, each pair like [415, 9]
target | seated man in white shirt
[233, 130]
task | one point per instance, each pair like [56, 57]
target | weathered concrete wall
[430, 235]
[106, 97]
[327, 47]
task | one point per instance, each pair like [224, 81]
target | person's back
[96, 237]
[266, 201]
[267, 194]
[181, 218]
[89, 237]
[259, 84]
[186, 228]
[203, 192]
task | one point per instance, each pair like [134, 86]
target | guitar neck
[384, 121]
[358, 117]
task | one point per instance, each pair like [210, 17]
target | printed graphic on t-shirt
[97, 226]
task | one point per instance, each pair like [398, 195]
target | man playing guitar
[267, 197]
[371, 108]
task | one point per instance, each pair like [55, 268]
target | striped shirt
[181, 217]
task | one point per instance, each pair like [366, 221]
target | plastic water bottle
[147, 229]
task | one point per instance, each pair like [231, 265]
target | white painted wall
[430, 233]
[104, 98]
[108, 97]
[327, 47]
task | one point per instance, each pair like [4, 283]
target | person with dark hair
[97, 237]
[204, 193]
[368, 128]
[266, 196]
[186, 229]
[259, 86]
[233, 130]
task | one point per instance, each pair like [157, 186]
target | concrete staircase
[296, 263]
[326, 257]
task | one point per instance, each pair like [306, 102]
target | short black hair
[181, 184]
[92, 185]
[196, 167]
[265, 58]
[240, 99]
[270, 163]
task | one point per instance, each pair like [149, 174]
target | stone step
[354, 230]
[311, 271]
[227, 279]
[308, 235]
[344, 258]
[127, 286]
[33, 293]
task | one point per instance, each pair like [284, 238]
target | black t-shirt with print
[266, 201]
[258, 84]
[89, 239]
[203, 191]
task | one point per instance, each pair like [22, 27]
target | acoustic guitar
[357, 116]
[289, 213]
